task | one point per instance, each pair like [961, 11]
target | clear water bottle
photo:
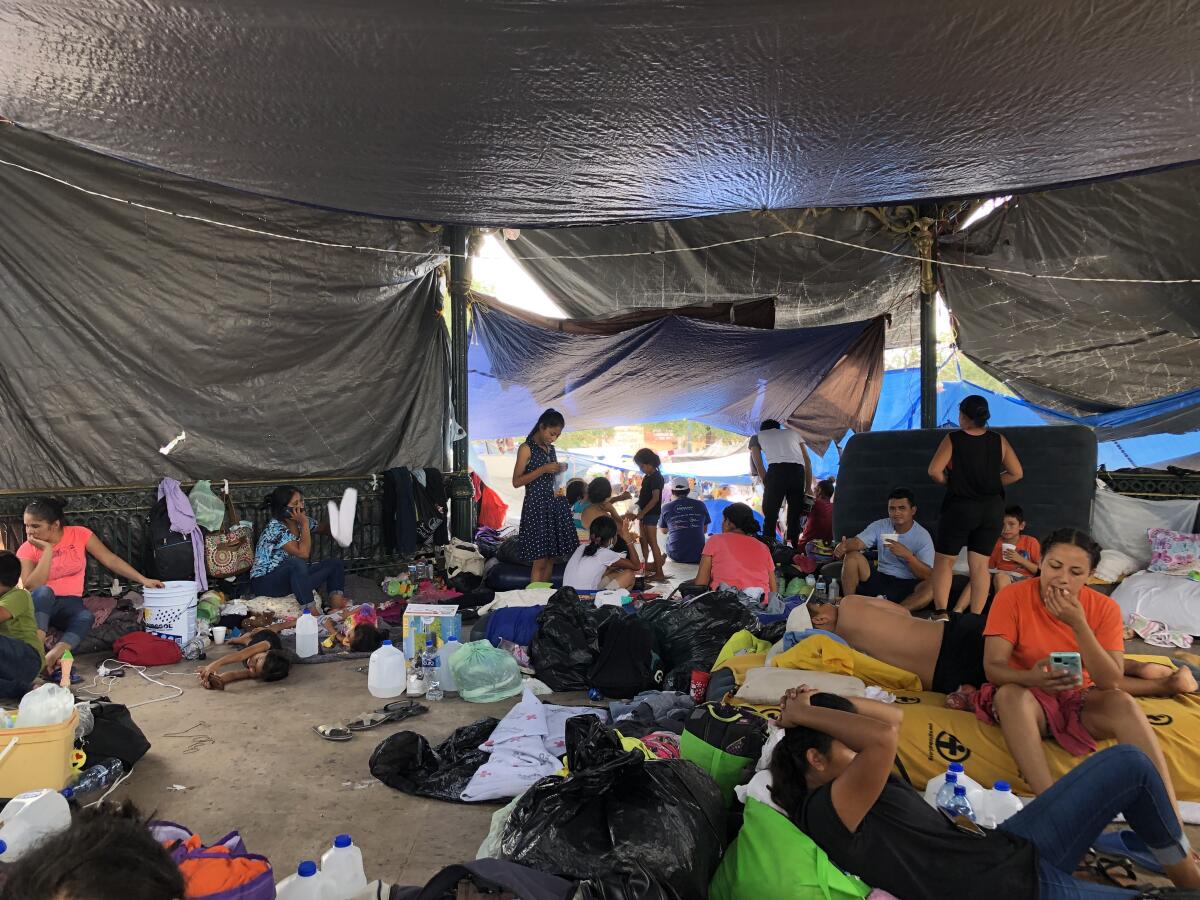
[959, 805]
[819, 593]
[834, 591]
[99, 777]
[429, 658]
[434, 692]
[196, 647]
[946, 791]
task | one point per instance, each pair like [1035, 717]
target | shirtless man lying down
[949, 655]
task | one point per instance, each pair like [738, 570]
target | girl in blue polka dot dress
[547, 529]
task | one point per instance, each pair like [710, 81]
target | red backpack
[141, 649]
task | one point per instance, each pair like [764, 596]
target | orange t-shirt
[1026, 546]
[1020, 617]
[69, 564]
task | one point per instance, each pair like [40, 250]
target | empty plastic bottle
[306, 635]
[434, 692]
[304, 885]
[99, 777]
[834, 591]
[959, 805]
[342, 873]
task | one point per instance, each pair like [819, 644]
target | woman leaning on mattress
[832, 775]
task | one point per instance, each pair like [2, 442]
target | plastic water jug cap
[342, 840]
[3, 848]
[306, 869]
[1001, 786]
[308, 612]
[956, 767]
[387, 643]
[67, 792]
[960, 790]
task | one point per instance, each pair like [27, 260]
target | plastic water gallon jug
[342, 873]
[306, 635]
[444, 676]
[304, 885]
[386, 675]
[997, 805]
[27, 818]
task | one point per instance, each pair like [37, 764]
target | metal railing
[119, 515]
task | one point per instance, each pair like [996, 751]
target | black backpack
[114, 734]
[628, 662]
[170, 552]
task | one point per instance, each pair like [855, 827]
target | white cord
[141, 670]
[790, 232]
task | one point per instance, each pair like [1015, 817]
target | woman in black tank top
[975, 464]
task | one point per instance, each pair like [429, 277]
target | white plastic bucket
[170, 612]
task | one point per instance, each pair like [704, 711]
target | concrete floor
[288, 791]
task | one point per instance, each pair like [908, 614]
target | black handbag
[114, 734]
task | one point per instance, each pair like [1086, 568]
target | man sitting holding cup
[904, 556]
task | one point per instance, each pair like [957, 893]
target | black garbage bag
[692, 632]
[566, 644]
[406, 762]
[770, 633]
[638, 829]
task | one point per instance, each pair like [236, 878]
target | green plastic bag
[209, 510]
[773, 858]
[485, 674]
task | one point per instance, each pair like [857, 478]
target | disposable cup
[218, 634]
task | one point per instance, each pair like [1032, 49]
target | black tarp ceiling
[1086, 347]
[814, 282]
[123, 327]
[545, 112]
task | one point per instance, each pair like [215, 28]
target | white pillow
[1122, 523]
[768, 684]
[1115, 565]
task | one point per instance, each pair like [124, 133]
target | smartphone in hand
[1068, 662]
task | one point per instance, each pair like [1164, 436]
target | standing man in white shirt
[786, 474]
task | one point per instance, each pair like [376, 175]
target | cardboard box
[423, 619]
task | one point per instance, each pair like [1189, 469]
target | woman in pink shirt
[53, 565]
[736, 556]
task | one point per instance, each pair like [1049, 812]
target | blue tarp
[900, 408]
[672, 368]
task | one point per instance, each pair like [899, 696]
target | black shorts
[960, 658]
[974, 524]
[882, 585]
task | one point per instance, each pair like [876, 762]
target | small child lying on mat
[355, 629]
[263, 658]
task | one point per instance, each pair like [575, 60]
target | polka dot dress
[547, 530]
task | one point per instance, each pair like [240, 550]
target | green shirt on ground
[22, 626]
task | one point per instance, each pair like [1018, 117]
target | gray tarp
[1087, 347]
[814, 282]
[546, 112]
[123, 327]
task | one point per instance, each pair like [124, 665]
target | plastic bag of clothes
[654, 828]
[406, 762]
[692, 632]
[567, 642]
[484, 674]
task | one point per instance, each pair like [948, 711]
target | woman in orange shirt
[1057, 612]
[736, 556]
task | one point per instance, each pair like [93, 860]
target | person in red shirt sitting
[1032, 699]
[1015, 557]
[819, 525]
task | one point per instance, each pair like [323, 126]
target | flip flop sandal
[1127, 844]
[1165, 892]
[333, 732]
[1109, 870]
[367, 721]
[403, 709]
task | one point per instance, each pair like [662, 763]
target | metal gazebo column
[925, 240]
[462, 510]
